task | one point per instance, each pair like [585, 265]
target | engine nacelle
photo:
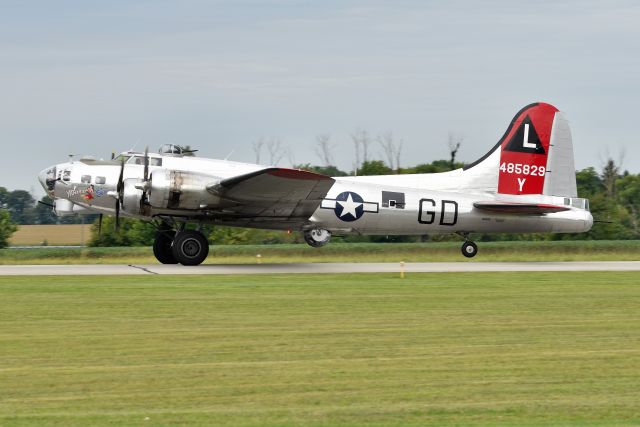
[131, 196]
[171, 189]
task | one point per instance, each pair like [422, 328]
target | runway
[312, 268]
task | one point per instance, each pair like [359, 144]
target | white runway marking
[313, 268]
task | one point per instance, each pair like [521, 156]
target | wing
[519, 208]
[273, 194]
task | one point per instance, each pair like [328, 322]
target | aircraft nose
[47, 178]
[42, 177]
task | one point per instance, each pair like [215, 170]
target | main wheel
[469, 249]
[190, 247]
[162, 247]
[317, 237]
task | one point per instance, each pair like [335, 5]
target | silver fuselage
[381, 205]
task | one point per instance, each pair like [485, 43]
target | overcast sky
[89, 77]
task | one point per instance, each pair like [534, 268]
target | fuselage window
[66, 175]
[85, 179]
[155, 161]
[100, 180]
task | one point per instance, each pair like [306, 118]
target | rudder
[536, 154]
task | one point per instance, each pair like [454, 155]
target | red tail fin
[524, 150]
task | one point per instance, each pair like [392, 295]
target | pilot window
[100, 180]
[122, 158]
[85, 179]
[139, 160]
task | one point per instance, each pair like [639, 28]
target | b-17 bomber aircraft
[525, 184]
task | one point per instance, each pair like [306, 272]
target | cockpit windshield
[122, 157]
[138, 160]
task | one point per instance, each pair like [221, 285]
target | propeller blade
[145, 181]
[120, 191]
[146, 164]
[117, 216]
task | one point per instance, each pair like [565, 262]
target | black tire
[162, 247]
[190, 247]
[469, 249]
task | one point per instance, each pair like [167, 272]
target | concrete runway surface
[313, 268]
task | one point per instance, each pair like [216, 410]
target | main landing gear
[469, 249]
[187, 247]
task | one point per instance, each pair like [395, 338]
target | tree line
[614, 200]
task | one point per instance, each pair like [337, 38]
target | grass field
[62, 234]
[626, 250]
[481, 349]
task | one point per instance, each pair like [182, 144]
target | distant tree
[4, 194]
[43, 213]
[223, 235]
[7, 228]
[276, 151]
[434, 167]
[361, 143]
[132, 233]
[256, 146]
[629, 196]
[374, 167]
[20, 205]
[323, 149]
[289, 154]
[324, 170]
[589, 182]
[610, 174]
[392, 149]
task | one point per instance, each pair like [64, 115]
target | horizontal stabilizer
[519, 208]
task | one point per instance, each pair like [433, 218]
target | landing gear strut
[187, 247]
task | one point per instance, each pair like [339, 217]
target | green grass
[624, 250]
[481, 349]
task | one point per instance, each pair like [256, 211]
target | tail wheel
[469, 249]
[190, 247]
[162, 247]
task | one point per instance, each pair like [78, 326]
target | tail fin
[536, 154]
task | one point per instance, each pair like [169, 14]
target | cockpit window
[85, 179]
[66, 175]
[139, 160]
[122, 157]
[100, 180]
